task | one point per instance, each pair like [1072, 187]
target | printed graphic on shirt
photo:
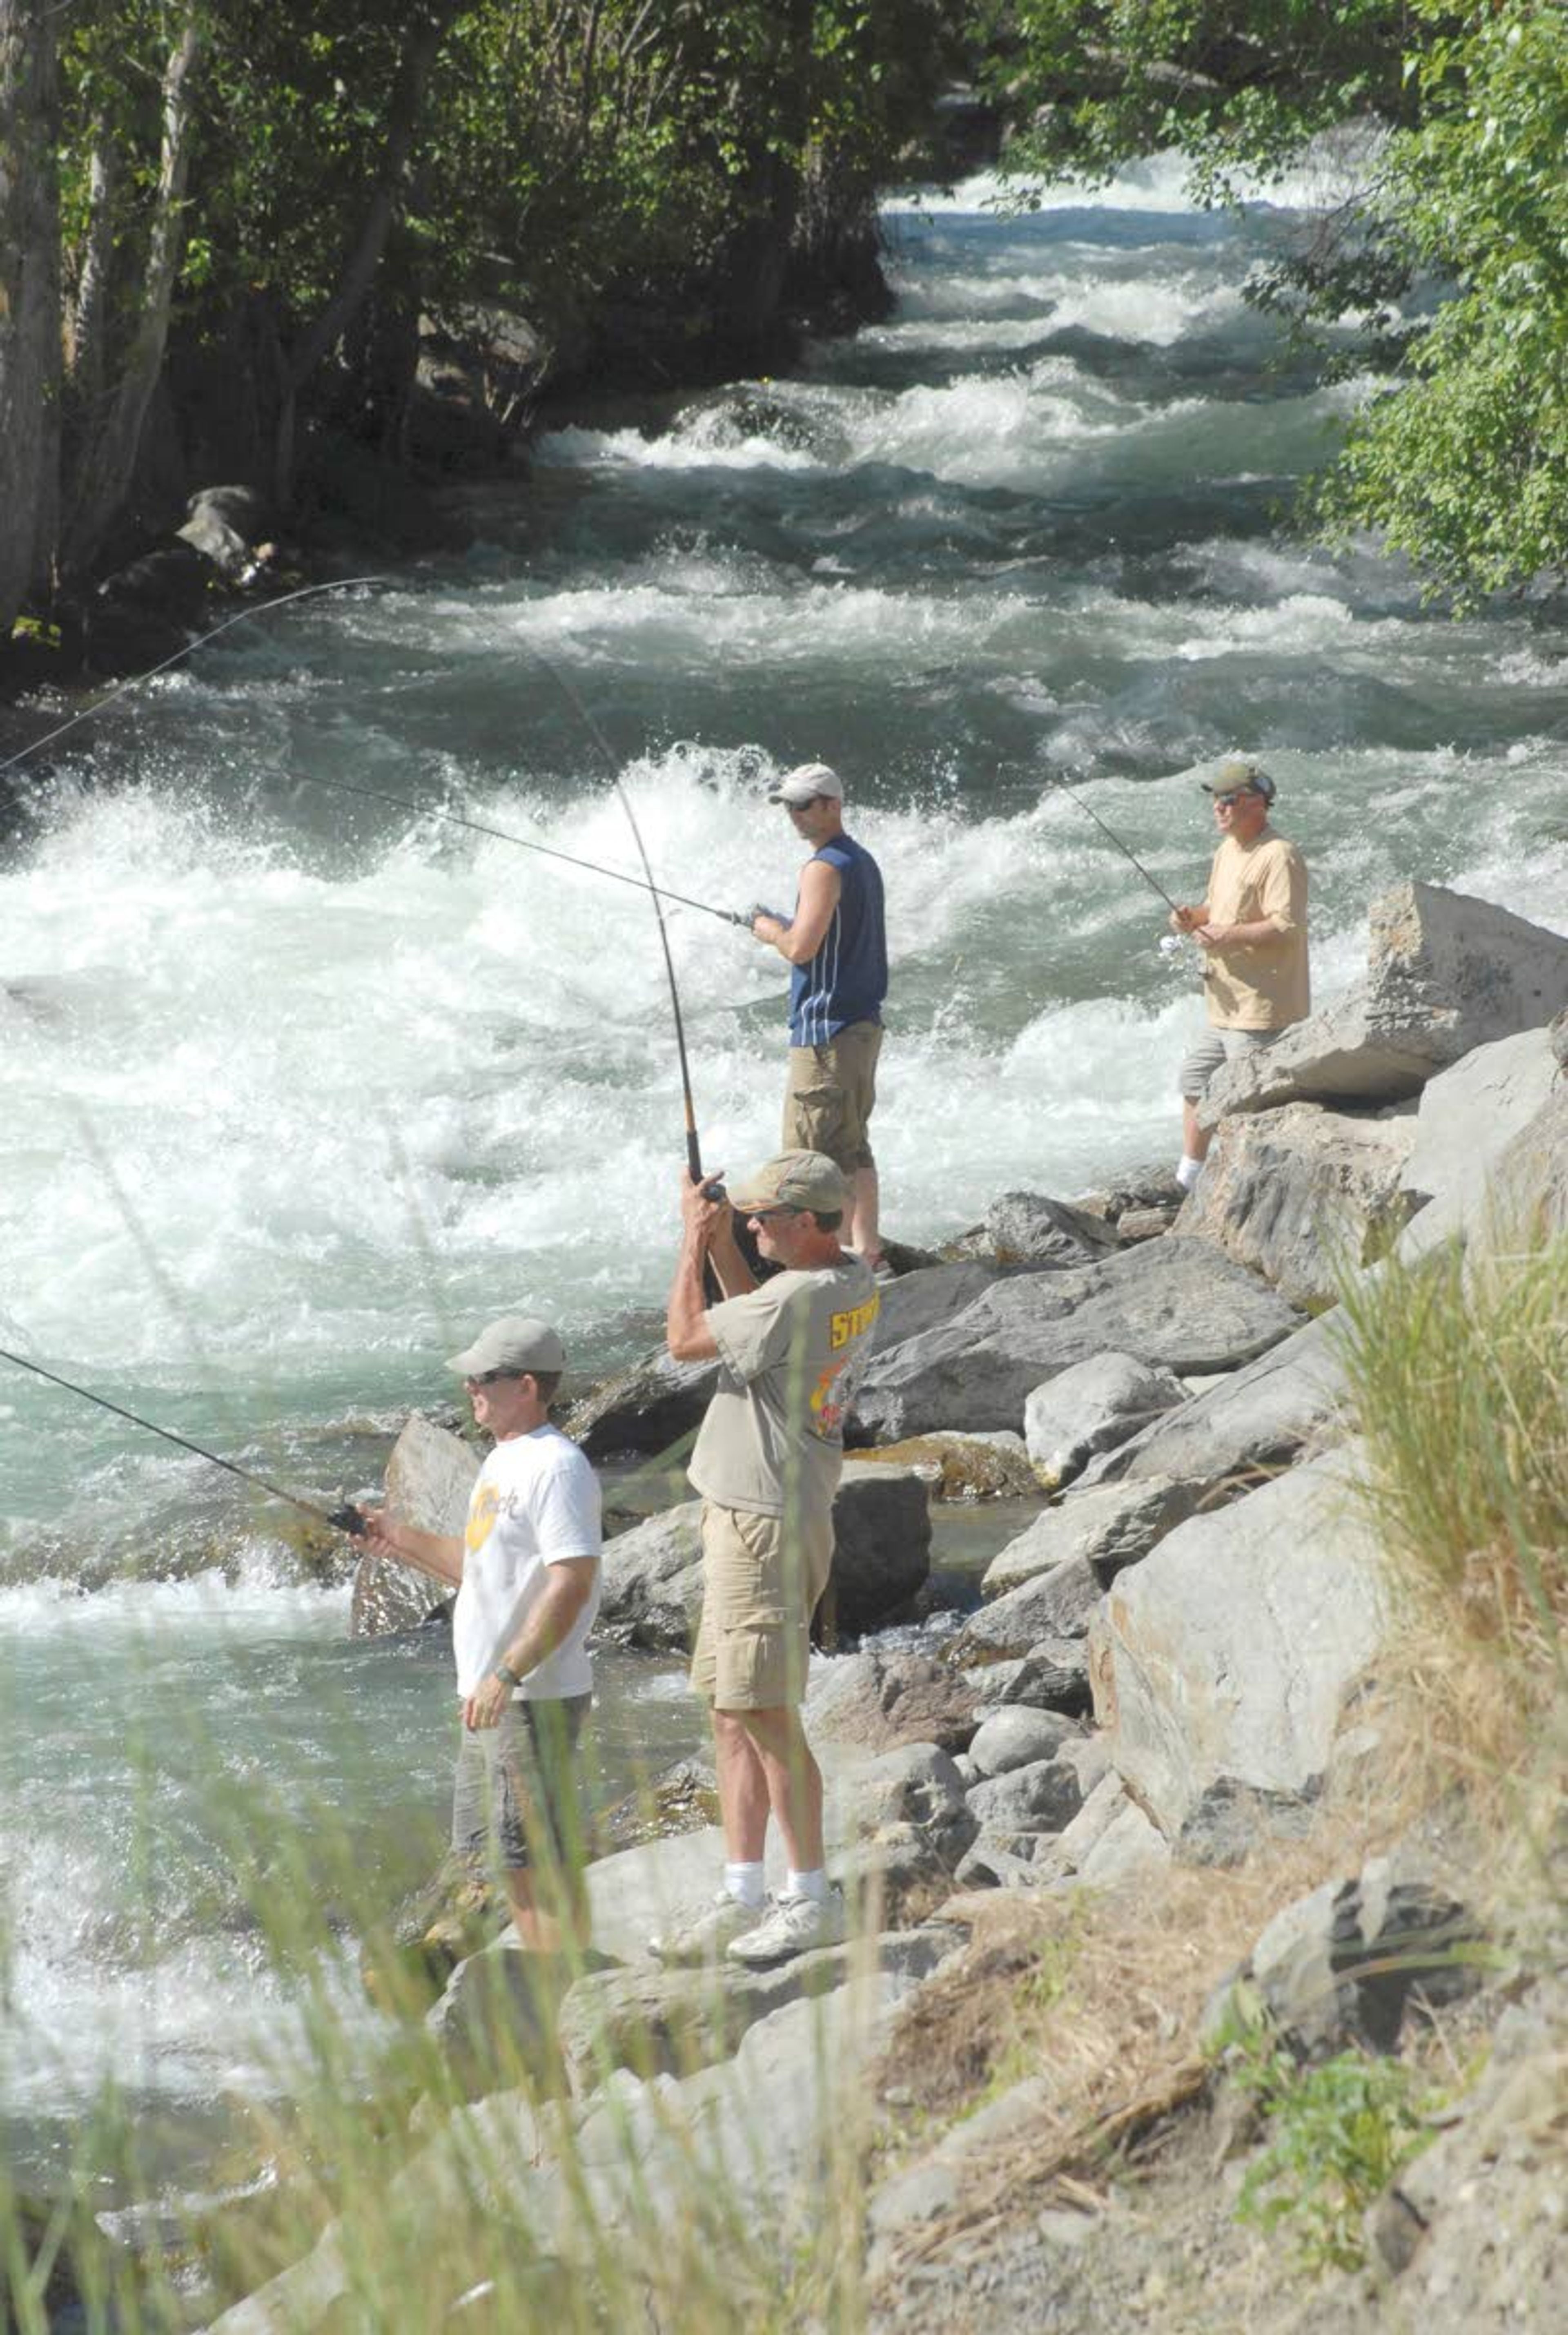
[849, 1335]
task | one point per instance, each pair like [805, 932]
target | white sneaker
[704, 1938]
[797, 1925]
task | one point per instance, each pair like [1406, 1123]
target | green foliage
[1235, 88]
[1462, 466]
[1340, 2131]
[1459, 459]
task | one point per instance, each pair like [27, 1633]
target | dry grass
[1103, 1995]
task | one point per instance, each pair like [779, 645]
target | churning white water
[297, 1086]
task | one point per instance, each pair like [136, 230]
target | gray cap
[795, 1180]
[1238, 771]
[805, 784]
[517, 1341]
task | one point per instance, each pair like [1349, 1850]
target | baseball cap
[1237, 772]
[517, 1341]
[804, 783]
[795, 1180]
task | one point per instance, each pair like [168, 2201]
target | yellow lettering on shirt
[854, 1322]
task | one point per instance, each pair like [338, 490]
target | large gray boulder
[652, 1581]
[644, 1409]
[428, 1478]
[881, 1545]
[1263, 1417]
[1172, 1304]
[1445, 974]
[887, 1697]
[919, 1301]
[1229, 1650]
[653, 1574]
[1110, 1526]
[1302, 1194]
[1488, 1151]
[1054, 1604]
[1027, 1228]
[1091, 1408]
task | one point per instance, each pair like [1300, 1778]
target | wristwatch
[507, 1675]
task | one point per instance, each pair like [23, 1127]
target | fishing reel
[349, 1519]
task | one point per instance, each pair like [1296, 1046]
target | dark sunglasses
[489, 1377]
[761, 1216]
[1229, 802]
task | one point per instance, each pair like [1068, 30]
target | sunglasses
[1229, 802]
[489, 1377]
[761, 1216]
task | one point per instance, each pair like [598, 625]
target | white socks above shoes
[744, 1882]
[1188, 1170]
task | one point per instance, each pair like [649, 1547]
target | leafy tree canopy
[1460, 457]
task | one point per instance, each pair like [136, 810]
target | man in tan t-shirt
[791, 1352]
[1253, 930]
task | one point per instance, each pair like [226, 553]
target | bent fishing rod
[344, 1519]
[693, 1150]
[1111, 836]
[381, 794]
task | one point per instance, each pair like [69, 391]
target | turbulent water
[296, 1085]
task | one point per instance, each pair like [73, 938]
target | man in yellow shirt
[1251, 927]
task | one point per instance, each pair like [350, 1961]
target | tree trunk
[88, 324]
[109, 455]
[29, 303]
[403, 110]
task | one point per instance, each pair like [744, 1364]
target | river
[297, 1087]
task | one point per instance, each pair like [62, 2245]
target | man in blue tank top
[836, 945]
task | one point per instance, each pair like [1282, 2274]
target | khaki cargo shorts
[831, 1094]
[761, 1579]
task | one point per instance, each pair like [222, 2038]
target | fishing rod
[1111, 835]
[240, 616]
[503, 834]
[693, 1150]
[344, 1519]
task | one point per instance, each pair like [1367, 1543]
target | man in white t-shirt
[526, 1573]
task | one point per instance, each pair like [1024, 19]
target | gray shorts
[514, 1798]
[1214, 1050]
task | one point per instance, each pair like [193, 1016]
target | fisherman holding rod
[836, 946]
[1251, 926]
[527, 1571]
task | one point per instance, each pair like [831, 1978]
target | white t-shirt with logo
[534, 1503]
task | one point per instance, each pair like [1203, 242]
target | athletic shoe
[797, 1925]
[704, 1938]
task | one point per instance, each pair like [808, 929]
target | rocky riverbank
[1134, 1834]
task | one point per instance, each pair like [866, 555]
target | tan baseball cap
[805, 784]
[1238, 771]
[517, 1341]
[795, 1180]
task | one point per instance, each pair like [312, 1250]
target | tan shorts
[761, 1585]
[831, 1095]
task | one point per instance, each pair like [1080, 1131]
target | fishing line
[380, 794]
[240, 616]
[345, 1519]
[501, 834]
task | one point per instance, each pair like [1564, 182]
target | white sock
[807, 1884]
[745, 1882]
[1188, 1171]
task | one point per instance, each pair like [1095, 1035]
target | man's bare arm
[440, 1555]
[798, 938]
